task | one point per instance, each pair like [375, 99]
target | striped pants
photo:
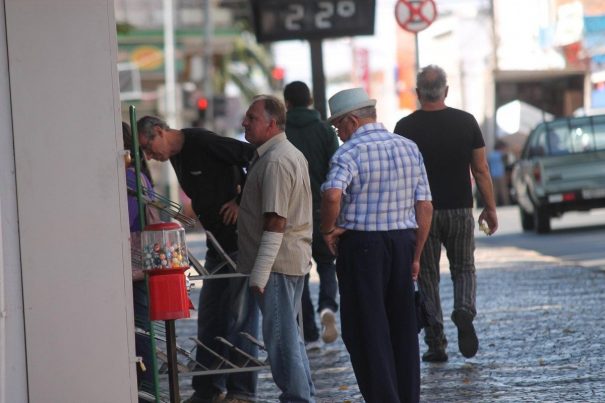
[454, 230]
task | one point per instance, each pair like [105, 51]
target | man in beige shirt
[274, 242]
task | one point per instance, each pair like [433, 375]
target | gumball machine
[165, 260]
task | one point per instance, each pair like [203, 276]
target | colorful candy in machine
[164, 246]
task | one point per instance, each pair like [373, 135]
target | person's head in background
[500, 145]
[129, 145]
[431, 86]
[297, 95]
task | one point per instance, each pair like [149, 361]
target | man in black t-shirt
[452, 146]
[210, 170]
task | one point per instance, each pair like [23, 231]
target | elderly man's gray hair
[431, 83]
[367, 112]
[274, 109]
[146, 124]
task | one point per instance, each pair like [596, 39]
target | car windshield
[569, 136]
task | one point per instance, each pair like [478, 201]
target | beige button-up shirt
[277, 182]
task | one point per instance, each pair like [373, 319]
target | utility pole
[167, 176]
[319, 79]
[169, 71]
[208, 53]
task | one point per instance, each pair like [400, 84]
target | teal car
[561, 169]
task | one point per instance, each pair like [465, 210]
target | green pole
[137, 164]
[141, 205]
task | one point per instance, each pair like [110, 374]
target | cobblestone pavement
[542, 339]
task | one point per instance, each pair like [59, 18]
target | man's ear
[447, 87]
[272, 123]
[158, 131]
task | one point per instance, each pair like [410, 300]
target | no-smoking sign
[415, 15]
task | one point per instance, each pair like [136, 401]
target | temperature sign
[415, 15]
[277, 20]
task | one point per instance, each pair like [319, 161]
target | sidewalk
[541, 330]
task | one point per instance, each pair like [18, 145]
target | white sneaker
[313, 345]
[329, 333]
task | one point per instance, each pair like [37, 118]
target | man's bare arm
[424, 217]
[330, 208]
[483, 179]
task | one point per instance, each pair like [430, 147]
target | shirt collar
[278, 138]
[368, 127]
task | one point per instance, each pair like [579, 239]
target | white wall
[13, 380]
[72, 217]
[523, 29]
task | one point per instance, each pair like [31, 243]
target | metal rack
[223, 365]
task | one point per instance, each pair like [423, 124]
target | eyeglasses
[338, 122]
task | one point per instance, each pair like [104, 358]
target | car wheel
[527, 220]
[541, 220]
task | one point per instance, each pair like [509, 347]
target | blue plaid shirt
[381, 175]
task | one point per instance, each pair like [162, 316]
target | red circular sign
[415, 15]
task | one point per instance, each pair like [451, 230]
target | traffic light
[277, 77]
[202, 107]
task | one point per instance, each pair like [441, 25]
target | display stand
[147, 197]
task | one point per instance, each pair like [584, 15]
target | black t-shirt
[446, 139]
[210, 169]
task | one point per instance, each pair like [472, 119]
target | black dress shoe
[467, 338]
[434, 355]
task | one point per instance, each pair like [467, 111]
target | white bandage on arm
[267, 252]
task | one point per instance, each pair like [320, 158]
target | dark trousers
[143, 342]
[328, 287]
[226, 307]
[378, 317]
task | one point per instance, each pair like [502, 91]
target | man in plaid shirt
[375, 215]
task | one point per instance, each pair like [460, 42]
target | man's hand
[229, 212]
[415, 269]
[257, 290]
[331, 239]
[138, 275]
[490, 217]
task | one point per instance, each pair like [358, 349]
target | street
[575, 237]
[539, 322]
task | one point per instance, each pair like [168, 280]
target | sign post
[414, 16]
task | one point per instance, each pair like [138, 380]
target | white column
[71, 202]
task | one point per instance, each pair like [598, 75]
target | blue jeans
[279, 305]
[226, 307]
